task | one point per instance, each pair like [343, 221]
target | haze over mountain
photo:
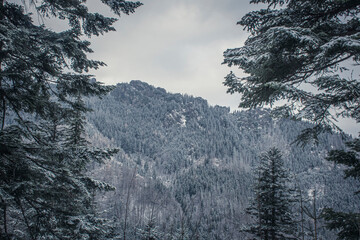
[186, 168]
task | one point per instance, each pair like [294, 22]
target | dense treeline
[184, 170]
[187, 167]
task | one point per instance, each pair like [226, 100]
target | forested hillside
[185, 169]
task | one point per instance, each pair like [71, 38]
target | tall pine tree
[44, 190]
[271, 205]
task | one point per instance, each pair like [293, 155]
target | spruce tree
[304, 52]
[271, 206]
[150, 231]
[346, 223]
[44, 190]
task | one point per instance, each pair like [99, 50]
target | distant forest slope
[185, 169]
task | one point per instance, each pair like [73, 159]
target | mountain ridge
[195, 152]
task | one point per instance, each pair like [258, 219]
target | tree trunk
[2, 97]
[127, 201]
[315, 216]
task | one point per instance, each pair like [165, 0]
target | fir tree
[347, 223]
[181, 234]
[271, 206]
[150, 231]
[300, 51]
[44, 190]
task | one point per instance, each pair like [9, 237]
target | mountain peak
[201, 156]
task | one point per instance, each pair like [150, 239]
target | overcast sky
[177, 45]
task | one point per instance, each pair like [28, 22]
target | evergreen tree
[271, 206]
[150, 231]
[181, 234]
[347, 223]
[300, 51]
[44, 190]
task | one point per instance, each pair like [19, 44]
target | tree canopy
[45, 192]
[303, 52]
[303, 55]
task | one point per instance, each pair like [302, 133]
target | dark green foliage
[150, 231]
[303, 52]
[349, 158]
[347, 224]
[45, 192]
[300, 51]
[271, 206]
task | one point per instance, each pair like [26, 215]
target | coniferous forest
[188, 168]
[83, 160]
